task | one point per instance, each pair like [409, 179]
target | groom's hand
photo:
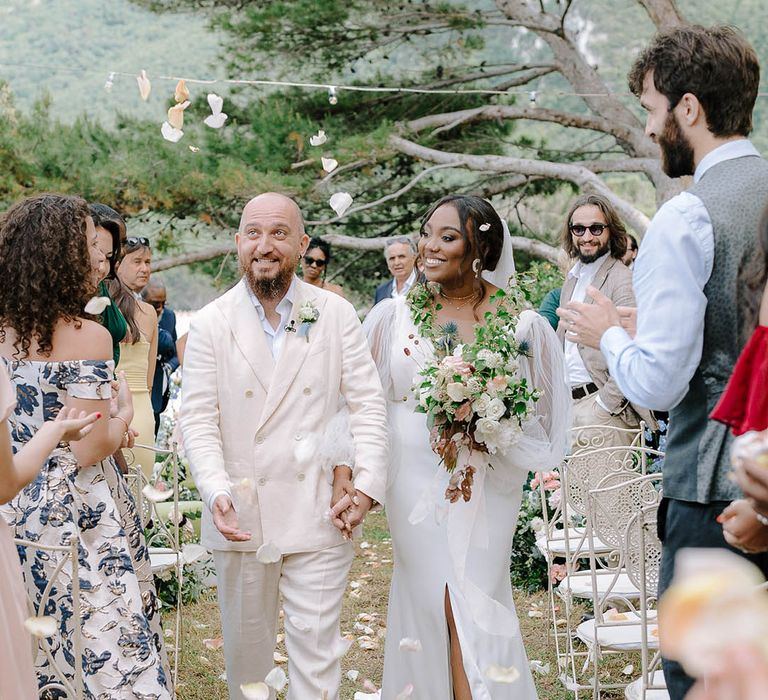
[355, 514]
[225, 520]
[342, 486]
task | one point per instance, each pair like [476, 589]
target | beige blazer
[246, 421]
[614, 279]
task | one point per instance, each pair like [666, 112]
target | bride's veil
[505, 268]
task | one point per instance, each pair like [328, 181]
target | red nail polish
[719, 518]
[98, 415]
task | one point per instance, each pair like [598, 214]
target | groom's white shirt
[247, 419]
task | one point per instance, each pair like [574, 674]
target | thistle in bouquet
[472, 393]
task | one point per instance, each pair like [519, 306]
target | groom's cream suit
[251, 426]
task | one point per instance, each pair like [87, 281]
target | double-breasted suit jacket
[246, 420]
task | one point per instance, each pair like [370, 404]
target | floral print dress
[123, 654]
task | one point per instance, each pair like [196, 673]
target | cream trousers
[312, 585]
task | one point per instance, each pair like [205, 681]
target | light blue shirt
[672, 268]
[275, 336]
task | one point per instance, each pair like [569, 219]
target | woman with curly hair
[314, 266]
[57, 357]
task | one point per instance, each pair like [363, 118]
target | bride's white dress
[463, 548]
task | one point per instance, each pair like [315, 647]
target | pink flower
[557, 572]
[458, 365]
[499, 383]
[464, 411]
[552, 485]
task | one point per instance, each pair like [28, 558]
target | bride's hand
[342, 486]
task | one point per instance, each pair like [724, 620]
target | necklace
[464, 300]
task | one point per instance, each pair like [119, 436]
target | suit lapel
[294, 351]
[565, 296]
[244, 321]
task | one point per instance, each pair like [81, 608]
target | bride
[452, 629]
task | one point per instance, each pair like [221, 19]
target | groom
[264, 367]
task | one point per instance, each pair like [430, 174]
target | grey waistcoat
[735, 193]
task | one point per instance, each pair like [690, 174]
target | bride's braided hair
[45, 268]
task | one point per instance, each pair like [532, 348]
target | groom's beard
[676, 150]
[273, 287]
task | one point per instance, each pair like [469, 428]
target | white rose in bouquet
[487, 432]
[480, 405]
[456, 391]
[496, 409]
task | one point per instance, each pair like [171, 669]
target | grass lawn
[202, 666]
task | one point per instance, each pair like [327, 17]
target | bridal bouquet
[472, 393]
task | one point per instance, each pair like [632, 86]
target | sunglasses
[137, 242]
[594, 229]
[314, 262]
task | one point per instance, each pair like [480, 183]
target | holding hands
[348, 505]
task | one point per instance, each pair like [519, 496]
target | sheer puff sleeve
[378, 327]
[544, 440]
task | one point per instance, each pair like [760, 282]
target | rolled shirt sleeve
[672, 268]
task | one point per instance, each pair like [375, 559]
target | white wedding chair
[66, 574]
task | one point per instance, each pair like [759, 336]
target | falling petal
[502, 674]
[96, 305]
[405, 693]
[276, 679]
[408, 644]
[41, 626]
[268, 553]
[145, 87]
[194, 149]
[156, 495]
[176, 116]
[255, 691]
[329, 164]
[182, 93]
[298, 623]
[215, 121]
[215, 102]
[213, 644]
[170, 134]
[340, 202]
[352, 675]
[319, 139]
[484, 227]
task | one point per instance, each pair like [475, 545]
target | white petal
[223, 677]
[215, 102]
[627, 670]
[170, 134]
[194, 149]
[276, 679]
[96, 305]
[319, 139]
[405, 693]
[215, 121]
[540, 667]
[278, 658]
[255, 691]
[329, 164]
[41, 626]
[213, 644]
[352, 675]
[268, 553]
[145, 87]
[367, 696]
[535, 613]
[364, 545]
[408, 644]
[484, 227]
[355, 584]
[340, 202]
[298, 623]
[502, 674]
[191, 552]
[156, 495]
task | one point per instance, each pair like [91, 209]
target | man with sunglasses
[595, 236]
[135, 265]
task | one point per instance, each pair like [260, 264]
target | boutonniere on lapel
[308, 314]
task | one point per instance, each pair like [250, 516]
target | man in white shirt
[595, 235]
[400, 254]
[699, 87]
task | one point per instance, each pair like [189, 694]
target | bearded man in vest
[676, 353]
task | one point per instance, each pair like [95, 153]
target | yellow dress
[134, 361]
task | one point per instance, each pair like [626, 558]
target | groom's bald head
[273, 204]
